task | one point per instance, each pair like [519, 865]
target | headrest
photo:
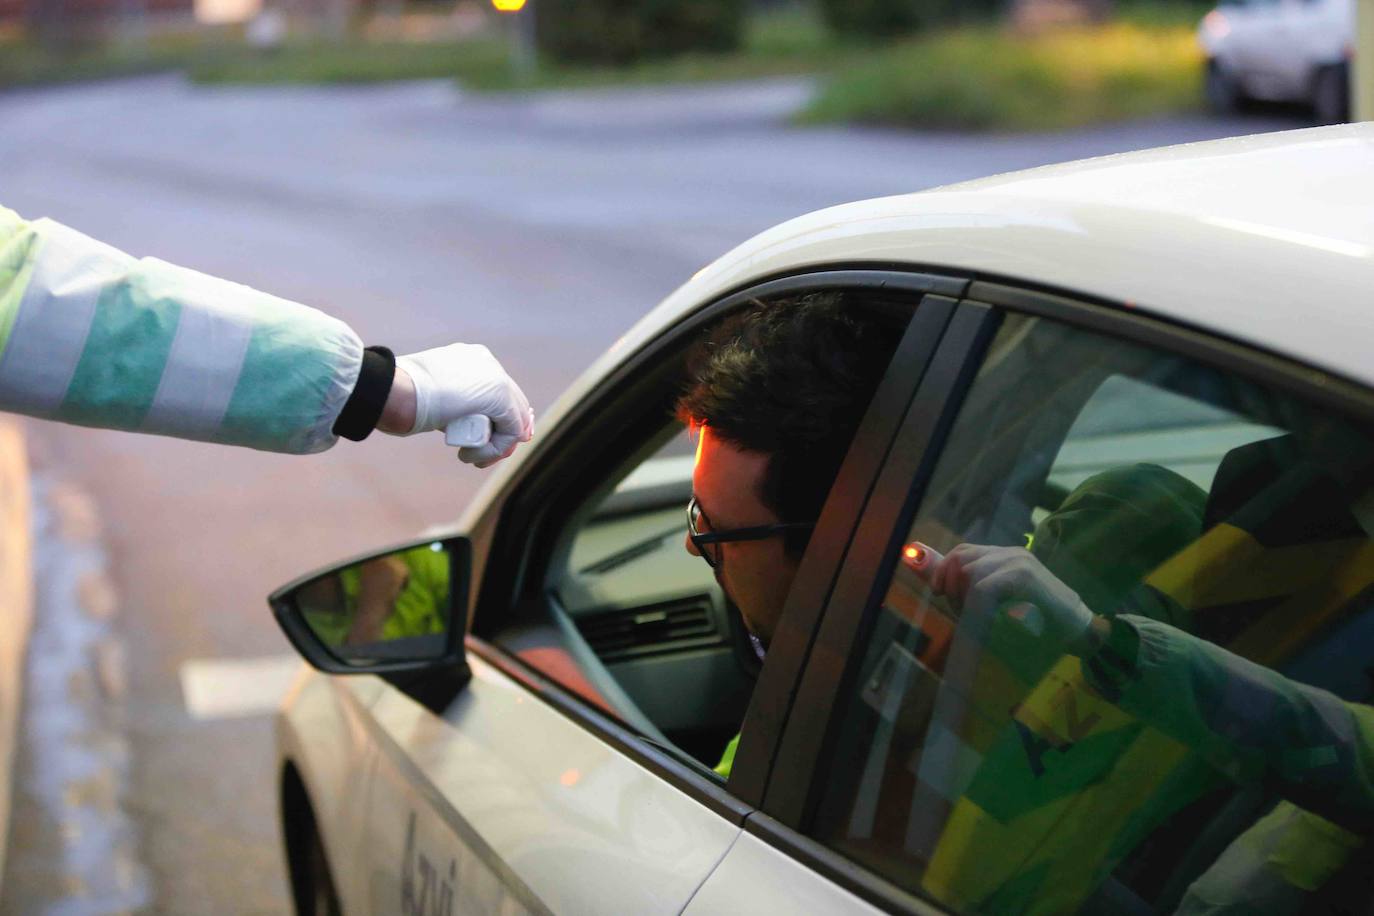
[1276, 491]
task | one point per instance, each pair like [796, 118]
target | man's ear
[768, 488]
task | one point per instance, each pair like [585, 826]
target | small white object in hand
[469, 432]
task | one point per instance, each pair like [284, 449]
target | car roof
[1266, 239]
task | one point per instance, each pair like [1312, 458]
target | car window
[652, 614]
[626, 616]
[1207, 744]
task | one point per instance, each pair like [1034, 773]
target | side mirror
[402, 610]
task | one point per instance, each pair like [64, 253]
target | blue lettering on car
[423, 891]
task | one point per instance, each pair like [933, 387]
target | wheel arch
[300, 830]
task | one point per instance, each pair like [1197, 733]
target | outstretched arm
[93, 336]
[1250, 722]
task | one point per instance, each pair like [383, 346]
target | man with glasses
[775, 396]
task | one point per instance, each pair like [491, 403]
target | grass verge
[984, 78]
[27, 64]
[475, 61]
[782, 43]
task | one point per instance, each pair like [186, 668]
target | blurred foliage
[27, 63]
[970, 77]
[881, 18]
[475, 61]
[787, 30]
[987, 78]
[887, 19]
[623, 32]
[1186, 13]
[787, 41]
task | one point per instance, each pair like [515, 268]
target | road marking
[225, 688]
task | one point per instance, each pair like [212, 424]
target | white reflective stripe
[220, 688]
[70, 272]
[201, 372]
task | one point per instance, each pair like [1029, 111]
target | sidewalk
[16, 604]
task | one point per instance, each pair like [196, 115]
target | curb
[16, 605]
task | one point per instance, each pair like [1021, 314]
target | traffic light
[508, 6]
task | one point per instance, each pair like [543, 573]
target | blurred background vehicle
[1280, 51]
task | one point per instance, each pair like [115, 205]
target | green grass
[985, 78]
[1185, 13]
[25, 63]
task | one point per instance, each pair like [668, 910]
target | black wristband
[364, 406]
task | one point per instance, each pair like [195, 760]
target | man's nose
[691, 546]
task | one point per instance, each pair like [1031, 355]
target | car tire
[1331, 94]
[312, 883]
[1222, 89]
[321, 899]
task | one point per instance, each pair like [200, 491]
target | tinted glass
[663, 649]
[1151, 698]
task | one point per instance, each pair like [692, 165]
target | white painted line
[224, 688]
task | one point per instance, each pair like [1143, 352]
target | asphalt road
[541, 226]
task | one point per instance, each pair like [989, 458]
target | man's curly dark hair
[790, 377]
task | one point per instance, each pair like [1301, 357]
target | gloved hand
[984, 580]
[460, 380]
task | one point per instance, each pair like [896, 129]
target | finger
[953, 581]
[510, 415]
[988, 594]
[483, 465]
[988, 561]
[500, 446]
[935, 576]
[967, 553]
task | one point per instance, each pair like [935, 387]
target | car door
[1216, 506]
[573, 772]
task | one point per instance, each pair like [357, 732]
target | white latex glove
[461, 380]
[985, 580]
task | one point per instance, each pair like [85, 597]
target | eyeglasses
[705, 541]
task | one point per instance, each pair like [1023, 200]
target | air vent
[655, 629]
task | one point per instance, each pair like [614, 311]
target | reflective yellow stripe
[17, 240]
[1066, 836]
[1228, 566]
[1289, 627]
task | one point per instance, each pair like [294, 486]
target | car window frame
[525, 525]
[786, 816]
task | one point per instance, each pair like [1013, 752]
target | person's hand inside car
[985, 580]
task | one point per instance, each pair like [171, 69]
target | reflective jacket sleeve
[92, 336]
[1250, 722]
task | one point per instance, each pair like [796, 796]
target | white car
[1281, 51]
[1154, 370]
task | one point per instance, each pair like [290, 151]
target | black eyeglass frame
[753, 533]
